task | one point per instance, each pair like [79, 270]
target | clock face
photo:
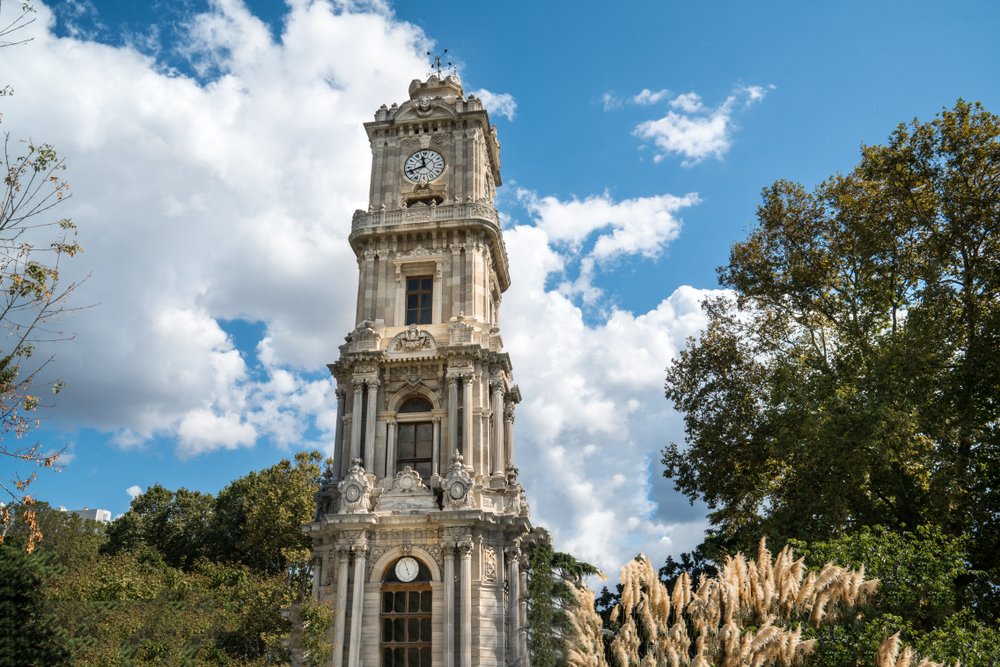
[457, 491]
[423, 166]
[407, 569]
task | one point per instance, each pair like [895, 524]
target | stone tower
[419, 520]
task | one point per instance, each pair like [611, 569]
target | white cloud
[499, 104]
[647, 96]
[134, 491]
[611, 101]
[695, 131]
[606, 230]
[593, 406]
[204, 202]
[688, 103]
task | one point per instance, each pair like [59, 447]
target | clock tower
[419, 519]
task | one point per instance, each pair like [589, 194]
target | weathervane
[436, 62]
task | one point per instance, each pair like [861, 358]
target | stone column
[390, 448]
[343, 554]
[359, 387]
[338, 433]
[508, 417]
[370, 425]
[513, 605]
[452, 414]
[357, 602]
[467, 418]
[456, 281]
[449, 605]
[436, 448]
[498, 433]
[465, 552]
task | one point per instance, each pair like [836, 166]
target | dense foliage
[553, 580]
[846, 395]
[181, 578]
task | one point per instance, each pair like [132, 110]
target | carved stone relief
[489, 563]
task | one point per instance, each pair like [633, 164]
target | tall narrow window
[416, 443]
[406, 619]
[419, 291]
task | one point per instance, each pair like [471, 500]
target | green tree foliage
[30, 634]
[917, 598]
[254, 521]
[175, 524]
[553, 580]
[847, 393]
[854, 380]
[258, 518]
[158, 588]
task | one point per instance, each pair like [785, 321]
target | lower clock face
[423, 166]
[353, 493]
[457, 491]
[407, 569]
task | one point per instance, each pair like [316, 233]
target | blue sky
[216, 154]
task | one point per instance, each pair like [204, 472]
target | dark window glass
[415, 447]
[406, 623]
[419, 295]
[416, 404]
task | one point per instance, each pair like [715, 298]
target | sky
[215, 152]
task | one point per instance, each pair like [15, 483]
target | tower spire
[436, 64]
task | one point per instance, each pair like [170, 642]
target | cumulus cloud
[647, 96]
[134, 491]
[593, 417]
[598, 229]
[228, 198]
[206, 201]
[695, 131]
[498, 104]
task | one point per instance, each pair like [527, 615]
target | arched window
[406, 614]
[416, 404]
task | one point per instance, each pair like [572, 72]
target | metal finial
[436, 63]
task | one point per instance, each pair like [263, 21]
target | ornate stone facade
[424, 468]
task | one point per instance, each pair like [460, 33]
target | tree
[175, 524]
[29, 632]
[32, 296]
[917, 598]
[554, 581]
[854, 378]
[257, 520]
[158, 588]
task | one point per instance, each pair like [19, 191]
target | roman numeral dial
[423, 166]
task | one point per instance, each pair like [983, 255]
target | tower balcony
[417, 215]
[431, 217]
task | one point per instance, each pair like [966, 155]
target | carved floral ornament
[489, 563]
[407, 481]
[413, 340]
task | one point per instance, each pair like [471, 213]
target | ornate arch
[405, 393]
[394, 553]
